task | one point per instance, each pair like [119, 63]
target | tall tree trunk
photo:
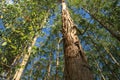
[57, 59]
[76, 66]
[25, 59]
[15, 62]
[47, 76]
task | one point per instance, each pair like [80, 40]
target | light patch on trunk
[63, 5]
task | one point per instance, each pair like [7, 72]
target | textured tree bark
[76, 66]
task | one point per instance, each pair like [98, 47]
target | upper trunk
[76, 66]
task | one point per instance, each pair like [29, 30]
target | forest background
[30, 35]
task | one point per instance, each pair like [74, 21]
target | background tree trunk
[47, 76]
[57, 59]
[104, 24]
[76, 66]
[24, 61]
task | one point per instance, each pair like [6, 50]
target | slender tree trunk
[57, 59]
[105, 25]
[104, 60]
[24, 61]
[76, 66]
[15, 62]
[107, 50]
[112, 57]
[47, 76]
[99, 69]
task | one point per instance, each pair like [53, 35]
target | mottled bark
[76, 66]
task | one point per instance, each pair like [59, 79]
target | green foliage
[100, 18]
[23, 20]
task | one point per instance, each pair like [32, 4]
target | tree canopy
[34, 27]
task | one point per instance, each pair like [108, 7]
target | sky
[9, 1]
[1, 24]
[45, 30]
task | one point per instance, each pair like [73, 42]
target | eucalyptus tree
[76, 66]
[97, 23]
[106, 13]
[97, 40]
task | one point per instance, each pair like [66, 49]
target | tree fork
[76, 66]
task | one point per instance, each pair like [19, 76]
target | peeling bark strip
[76, 66]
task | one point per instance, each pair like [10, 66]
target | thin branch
[5, 65]
[103, 25]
